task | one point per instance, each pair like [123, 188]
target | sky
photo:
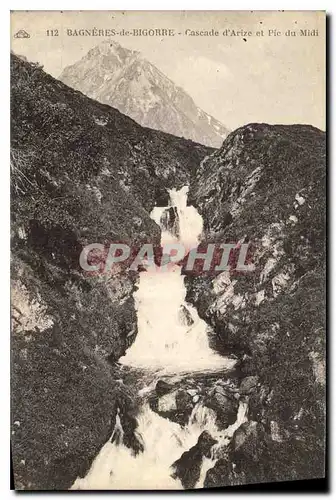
[270, 78]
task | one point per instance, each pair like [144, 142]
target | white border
[171, 5]
[4, 180]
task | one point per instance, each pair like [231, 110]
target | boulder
[224, 404]
[183, 400]
[188, 467]
[247, 441]
[192, 392]
[219, 474]
[176, 406]
[224, 391]
[205, 443]
[167, 403]
[185, 317]
[163, 387]
[248, 384]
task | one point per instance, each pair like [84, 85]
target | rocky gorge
[81, 173]
[92, 388]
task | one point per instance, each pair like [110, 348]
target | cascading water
[163, 342]
[166, 346]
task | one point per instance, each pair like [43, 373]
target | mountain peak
[111, 49]
[122, 78]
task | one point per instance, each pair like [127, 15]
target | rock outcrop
[187, 468]
[266, 186]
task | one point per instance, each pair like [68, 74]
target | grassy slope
[81, 173]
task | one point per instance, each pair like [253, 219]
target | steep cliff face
[81, 173]
[266, 185]
[122, 78]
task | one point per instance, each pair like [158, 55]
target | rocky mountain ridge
[122, 78]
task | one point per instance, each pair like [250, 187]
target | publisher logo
[22, 34]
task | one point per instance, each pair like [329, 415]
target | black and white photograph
[168, 249]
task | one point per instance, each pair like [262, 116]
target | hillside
[266, 185]
[81, 173]
[122, 78]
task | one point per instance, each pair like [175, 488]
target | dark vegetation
[81, 173]
[248, 190]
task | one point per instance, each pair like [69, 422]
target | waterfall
[172, 342]
[163, 342]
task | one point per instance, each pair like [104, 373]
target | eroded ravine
[172, 349]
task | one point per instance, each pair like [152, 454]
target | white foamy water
[163, 342]
[167, 344]
[116, 467]
[190, 222]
